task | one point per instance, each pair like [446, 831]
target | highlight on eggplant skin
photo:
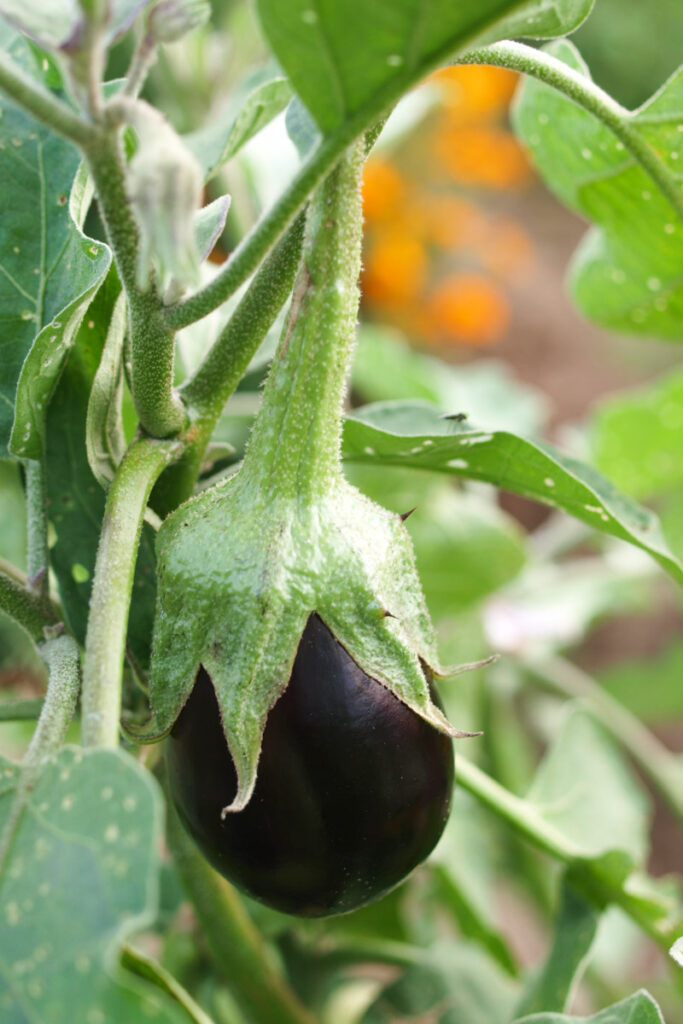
[353, 788]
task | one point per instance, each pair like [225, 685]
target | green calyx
[243, 565]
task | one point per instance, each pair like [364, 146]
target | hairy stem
[152, 342]
[651, 756]
[585, 93]
[206, 393]
[61, 656]
[27, 608]
[294, 447]
[45, 107]
[526, 819]
[38, 558]
[112, 587]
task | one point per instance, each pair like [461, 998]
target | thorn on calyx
[404, 515]
[387, 614]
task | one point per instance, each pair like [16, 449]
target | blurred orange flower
[467, 306]
[424, 224]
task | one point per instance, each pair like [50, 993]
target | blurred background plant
[464, 307]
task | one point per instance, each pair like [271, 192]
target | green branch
[152, 341]
[38, 559]
[45, 107]
[61, 656]
[252, 249]
[27, 608]
[234, 942]
[526, 819]
[586, 94]
[206, 393]
[112, 587]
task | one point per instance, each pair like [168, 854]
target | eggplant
[353, 787]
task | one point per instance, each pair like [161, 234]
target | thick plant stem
[61, 656]
[112, 587]
[295, 444]
[206, 393]
[25, 607]
[591, 97]
[45, 107]
[526, 819]
[655, 761]
[234, 942]
[36, 508]
[152, 342]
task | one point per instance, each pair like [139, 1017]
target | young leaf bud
[164, 186]
[170, 20]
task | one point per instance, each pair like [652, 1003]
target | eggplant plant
[238, 653]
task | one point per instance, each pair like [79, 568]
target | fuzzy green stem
[27, 609]
[37, 557]
[45, 107]
[234, 942]
[528, 821]
[654, 760]
[61, 656]
[295, 443]
[152, 342]
[112, 587]
[591, 97]
[206, 393]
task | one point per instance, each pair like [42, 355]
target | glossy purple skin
[353, 788]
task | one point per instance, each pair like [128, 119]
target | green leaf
[649, 687]
[637, 437]
[416, 434]
[450, 985]
[104, 436]
[627, 272]
[386, 368]
[76, 500]
[575, 928]
[350, 62]
[221, 139]
[543, 20]
[209, 223]
[50, 269]
[301, 128]
[83, 875]
[145, 967]
[637, 1009]
[597, 819]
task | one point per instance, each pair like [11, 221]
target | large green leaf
[82, 876]
[416, 434]
[349, 62]
[637, 437]
[76, 499]
[450, 985]
[49, 268]
[637, 1009]
[627, 274]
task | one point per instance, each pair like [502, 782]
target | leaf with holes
[82, 876]
[350, 62]
[626, 273]
[416, 434]
[50, 269]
